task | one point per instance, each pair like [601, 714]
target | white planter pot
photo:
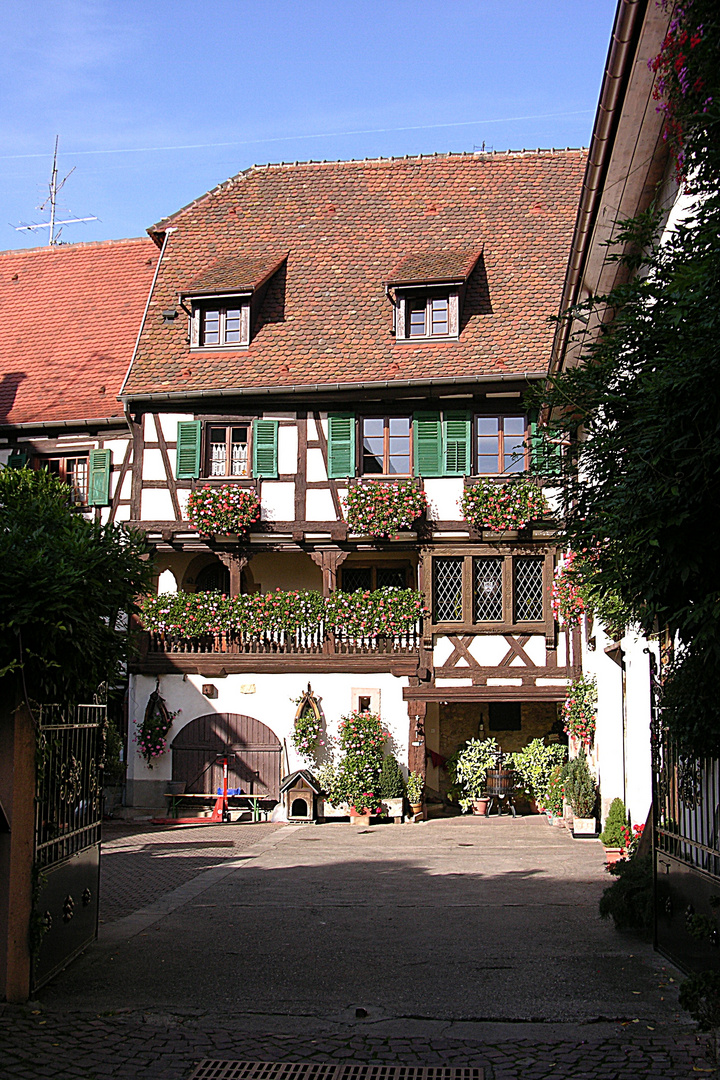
[584, 826]
[393, 807]
[326, 810]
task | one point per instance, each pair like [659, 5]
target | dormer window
[427, 290]
[224, 303]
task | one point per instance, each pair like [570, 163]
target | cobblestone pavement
[140, 863]
[113, 1016]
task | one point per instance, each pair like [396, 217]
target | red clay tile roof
[235, 274]
[69, 318]
[435, 266]
[326, 318]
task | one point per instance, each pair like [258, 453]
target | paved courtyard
[459, 941]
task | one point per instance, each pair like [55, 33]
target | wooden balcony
[307, 650]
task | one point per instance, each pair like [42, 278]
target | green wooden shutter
[187, 464]
[545, 456]
[17, 460]
[99, 477]
[265, 448]
[427, 444]
[341, 445]
[458, 444]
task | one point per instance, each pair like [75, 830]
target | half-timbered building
[312, 327]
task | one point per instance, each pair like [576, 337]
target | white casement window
[228, 450]
[421, 316]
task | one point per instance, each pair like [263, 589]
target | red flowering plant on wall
[579, 710]
[376, 508]
[226, 509]
[567, 599]
[631, 839]
[684, 68]
[500, 507]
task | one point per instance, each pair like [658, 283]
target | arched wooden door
[253, 750]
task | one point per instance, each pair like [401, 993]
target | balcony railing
[307, 642]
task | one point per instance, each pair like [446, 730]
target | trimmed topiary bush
[613, 835]
[392, 784]
[580, 789]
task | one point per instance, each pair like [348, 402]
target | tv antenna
[51, 201]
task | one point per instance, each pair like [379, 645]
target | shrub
[534, 765]
[361, 741]
[700, 996]
[392, 784]
[553, 799]
[613, 835]
[580, 789]
[629, 900]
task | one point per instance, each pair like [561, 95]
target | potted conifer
[613, 835]
[581, 794]
[392, 787]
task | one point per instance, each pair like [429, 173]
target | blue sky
[156, 101]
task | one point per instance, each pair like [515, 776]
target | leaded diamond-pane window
[356, 577]
[528, 590]
[447, 589]
[487, 581]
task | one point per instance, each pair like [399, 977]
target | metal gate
[686, 843]
[68, 815]
[254, 755]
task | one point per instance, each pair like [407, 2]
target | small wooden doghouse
[299, 792]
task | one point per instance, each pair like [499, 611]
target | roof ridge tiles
[160, 225]
[84, 244]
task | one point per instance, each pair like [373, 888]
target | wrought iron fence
[68, 793]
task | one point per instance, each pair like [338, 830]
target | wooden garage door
[253, 752]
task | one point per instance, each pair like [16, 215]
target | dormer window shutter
[457, 443]
[427, 443]
[187, 466]
[17, 460]
[265, 448]
[99, 477]
[341, 445]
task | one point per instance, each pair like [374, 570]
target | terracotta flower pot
[480, 807]
[613, 855]
[359, 817]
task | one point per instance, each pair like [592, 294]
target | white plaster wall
[316, 470]
[489, 650]
[118, 447]
[287, 449]
[153, 466]
[168, 423]
[443, 497]
[157, 505]
[122, 513]
[609, 741]
[319, 505]
[278, 501]
[183, 495]
[268, 698]
[637, 734]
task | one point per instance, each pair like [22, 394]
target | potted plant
[226, 510]
[376, 508]
[392, 787]
[503, 507]
[581, 794]
[534, 766]
[468, 769]
[613, 835]
[361, 741]
[415, 788]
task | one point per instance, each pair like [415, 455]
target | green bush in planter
[392, 784]
[580, 789]
[534, 765]
[613, 835]
[415, 788]
[468, 767]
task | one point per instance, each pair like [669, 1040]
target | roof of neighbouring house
[348, 226]
[69, 319]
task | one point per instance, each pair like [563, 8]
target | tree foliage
[64, 582]
[641, 411]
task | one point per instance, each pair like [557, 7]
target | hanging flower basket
[501, 507]
[377, 508]
[151, 737]
[226, 509]
[579, 711]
